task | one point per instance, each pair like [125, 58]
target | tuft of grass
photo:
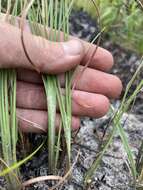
[55, 15]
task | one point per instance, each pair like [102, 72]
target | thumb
[46, 56]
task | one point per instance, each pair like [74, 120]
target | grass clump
[55, 15]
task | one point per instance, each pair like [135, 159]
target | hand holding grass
[94, 89]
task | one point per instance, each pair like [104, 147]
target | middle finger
[91, 80]
[31, 96]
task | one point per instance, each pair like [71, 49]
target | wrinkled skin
[93, 91]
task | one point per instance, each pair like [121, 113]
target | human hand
[95, 87]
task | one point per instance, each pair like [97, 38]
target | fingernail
[73, 47]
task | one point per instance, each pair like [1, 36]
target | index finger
[102, 60]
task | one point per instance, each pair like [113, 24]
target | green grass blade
[13, 120]
[58, 146]
[65, 121]
[51, 105]
[18, 164]
[128, 150]
[50, 88]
